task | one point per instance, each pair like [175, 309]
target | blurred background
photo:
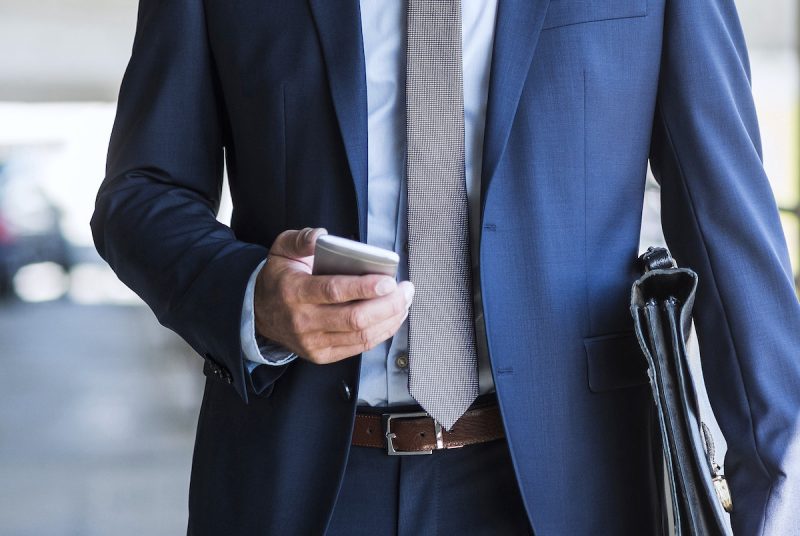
[99, 403]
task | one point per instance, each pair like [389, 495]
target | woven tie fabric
[443, 375]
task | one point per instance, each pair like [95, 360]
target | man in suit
[564, 103]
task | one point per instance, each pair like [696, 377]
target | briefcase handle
[656, 258]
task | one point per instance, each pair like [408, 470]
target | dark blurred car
[30, 230]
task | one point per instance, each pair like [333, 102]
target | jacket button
[345, 391]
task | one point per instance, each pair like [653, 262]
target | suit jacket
[582, 95]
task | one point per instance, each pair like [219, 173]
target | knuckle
[358, 320]
[285, 238]
[299, 237]
[364, 337]
[365, 289]
[332, 291]
[285, 234]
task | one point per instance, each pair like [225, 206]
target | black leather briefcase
[661, 305]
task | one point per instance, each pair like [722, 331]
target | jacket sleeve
[154, 220]
[720, 218]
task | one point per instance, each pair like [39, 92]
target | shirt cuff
[257, 349]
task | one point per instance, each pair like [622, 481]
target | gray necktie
[443, 374]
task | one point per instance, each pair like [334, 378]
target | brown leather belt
[416, 433]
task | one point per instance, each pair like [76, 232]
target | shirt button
[401, 361]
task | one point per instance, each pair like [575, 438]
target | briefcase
[661, 305]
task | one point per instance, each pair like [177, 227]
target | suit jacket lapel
[339, 27]
[519, 23]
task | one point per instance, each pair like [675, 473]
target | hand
[324, 318]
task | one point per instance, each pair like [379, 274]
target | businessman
[500, 147]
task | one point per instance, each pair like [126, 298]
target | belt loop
[439, 436]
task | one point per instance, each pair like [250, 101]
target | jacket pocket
[614, 361]
[569, 12]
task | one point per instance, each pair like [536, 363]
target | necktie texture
[443, 374]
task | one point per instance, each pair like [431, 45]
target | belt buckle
[387, 419]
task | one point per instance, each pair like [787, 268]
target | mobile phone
[334, 255]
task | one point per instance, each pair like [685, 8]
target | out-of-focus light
[93, 284]
[40, 282]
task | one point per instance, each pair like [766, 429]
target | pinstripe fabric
[443, 374]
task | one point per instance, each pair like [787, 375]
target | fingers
[359, 316]
[357, 327]
[365, 339]
[323, 289]
[334, 289]
[329, 355]
[295, 244]
[324, 318]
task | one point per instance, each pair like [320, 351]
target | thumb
[296, 244]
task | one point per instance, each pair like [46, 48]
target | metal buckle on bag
[387, 420]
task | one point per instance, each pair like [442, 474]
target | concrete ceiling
[76, 50]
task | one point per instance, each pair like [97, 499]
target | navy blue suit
[582, 94]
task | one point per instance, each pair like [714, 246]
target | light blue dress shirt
[384, 369]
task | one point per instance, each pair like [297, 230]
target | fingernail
[307, 234]
[385, 286]
[408, 291]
